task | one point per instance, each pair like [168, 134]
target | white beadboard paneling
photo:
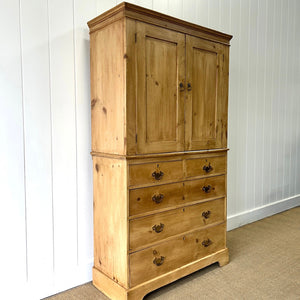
[202, 12]
[251, 102]
[83, 11]
[225, 16]
[38, 144]
[160, 6]
[13, 250]
[293, 113]
[104, 5]
[242, 118]
[277, 122]
[260, 102]
[268, 115]
[233, 104]
[296, 86]
[190, 10]
[64, 140]
[175, 8]
[214, 14]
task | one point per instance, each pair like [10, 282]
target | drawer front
[205, 166]
[157, 227]
[168, 256]
[155, 197]
[206, 188]
[155, 173]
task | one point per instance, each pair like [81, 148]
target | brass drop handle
[158, 228]
[159, 260]
[206, 243]
[181, 87]
[158, 175]
[207, 188]
[158, 198]
[189, 87]
[206, 214]
[208, 168]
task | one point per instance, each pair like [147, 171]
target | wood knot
[97, 168]
[93, 103]
[104, 110]
[125, 56]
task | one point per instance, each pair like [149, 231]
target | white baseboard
[258, 213]
[67, 279]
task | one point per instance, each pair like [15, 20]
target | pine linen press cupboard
[159, 94]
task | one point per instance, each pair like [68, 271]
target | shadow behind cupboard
[159, 89]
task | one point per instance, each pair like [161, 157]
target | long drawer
[149, 199]
[175, 253]
[157, 227]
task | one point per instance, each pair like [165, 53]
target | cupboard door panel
[160, 69]
[206, 122]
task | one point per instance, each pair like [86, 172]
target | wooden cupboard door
[206, 103]
[160, 69]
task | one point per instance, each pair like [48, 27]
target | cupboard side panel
[110, 218]
[108, 107]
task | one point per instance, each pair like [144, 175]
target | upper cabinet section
[158, 84]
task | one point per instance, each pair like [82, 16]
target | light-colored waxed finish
[159, 90]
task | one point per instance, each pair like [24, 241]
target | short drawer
[206, 188]
[157, 227]
[165, 257]
[205, 166]
[155, 173]
[152, 198]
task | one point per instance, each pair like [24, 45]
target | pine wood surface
[160, 67]
[141, 174]
[152, 17]
[110, 218]
[159, 138]
[157, 227]
[196, 167]
[107, 89]
[176, 252]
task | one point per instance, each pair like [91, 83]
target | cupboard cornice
[132, 11]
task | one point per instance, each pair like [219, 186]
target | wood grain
[206, 166]
[160, 56]
[206, 105]
[176, 221]
[177, 252]
[153, 17]
[155, 198]
[107, 89]
[110, 218]
[142, 174]
[156, 95]
[205, 188]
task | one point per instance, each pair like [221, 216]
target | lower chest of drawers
[155, 216]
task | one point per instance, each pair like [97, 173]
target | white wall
[46, 168]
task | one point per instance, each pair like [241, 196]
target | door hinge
[135, 37]
[136, 138]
